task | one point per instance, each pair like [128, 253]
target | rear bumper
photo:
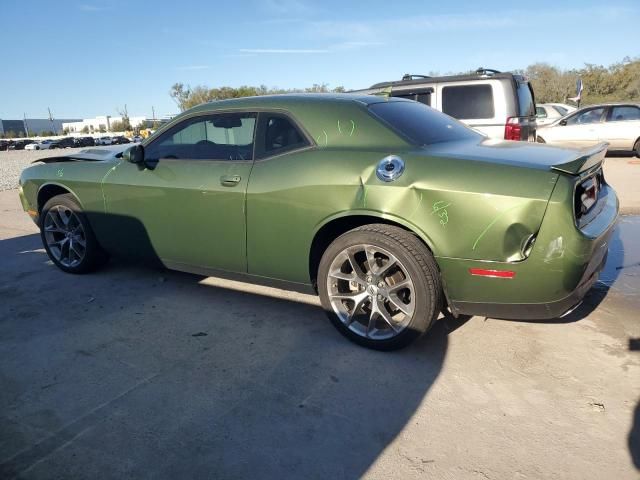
[563, 266]
[538, 311]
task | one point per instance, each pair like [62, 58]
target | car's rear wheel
[67, 236]
[539, 139]
[636, 147]
[380, 286]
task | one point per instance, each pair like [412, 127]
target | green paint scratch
[104, 197]
[339, 130]
[440, 208]
[353, 128]
[475, 244]
[60, 172]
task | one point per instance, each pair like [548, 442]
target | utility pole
[26, 125]
[53, 128]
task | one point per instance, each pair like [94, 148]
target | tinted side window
[525, 99]
[561, 110]
[590, 116]
[468, 101]
[280, 135]
[541, 112]
[619, 114]
[424, 97]
[211, 137]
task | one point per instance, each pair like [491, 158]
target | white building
[103, 123]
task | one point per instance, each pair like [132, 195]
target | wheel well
[332, 230]
[48, 192]
[637, 144]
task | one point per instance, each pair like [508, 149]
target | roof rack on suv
[487, 71]
[409, 76]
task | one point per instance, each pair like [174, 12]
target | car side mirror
[134, 154]
[563, 122]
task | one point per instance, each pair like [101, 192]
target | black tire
[94, 256]
[636, 147]
[413, 256]
[539, 139]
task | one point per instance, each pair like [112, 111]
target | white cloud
[283, 50]
[194, 67]
[85, 7]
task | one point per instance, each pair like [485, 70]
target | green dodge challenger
[391, 211]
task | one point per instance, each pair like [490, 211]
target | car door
[187, 205]
[622, 127]
[581, 129]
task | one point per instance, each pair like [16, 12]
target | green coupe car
[391, 211]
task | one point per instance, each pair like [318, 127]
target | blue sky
[90, 57]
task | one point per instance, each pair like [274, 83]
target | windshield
[421, 124]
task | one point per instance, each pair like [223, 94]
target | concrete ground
[138, 373]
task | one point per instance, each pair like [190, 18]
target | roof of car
[611, 104]
[289, 99]
[447, 78]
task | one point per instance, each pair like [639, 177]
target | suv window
[421, 124]
[468, 101]
[589, 116]
[525, 99]
[623, 113]
[213, 137]
[424, 97]
[541, 112]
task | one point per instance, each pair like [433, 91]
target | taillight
[512, 129]
[586, 197]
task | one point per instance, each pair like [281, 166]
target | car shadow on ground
[147, 373]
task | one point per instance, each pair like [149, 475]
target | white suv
[499, 105]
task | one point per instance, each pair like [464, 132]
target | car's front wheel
[380, 286]
[67, 236]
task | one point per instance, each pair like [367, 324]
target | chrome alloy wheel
[371, 292]
[65, 236]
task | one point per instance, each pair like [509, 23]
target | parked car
[67, 142]
[389, 209]
[500, 105]
[616, 124]
[19, 144]
[83, 142]
[40, 145]
[120, 140]
[136, 139]
[4, 145]
[547, 113]
[103, 140]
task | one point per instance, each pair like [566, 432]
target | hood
[88, 154]
[523, 154]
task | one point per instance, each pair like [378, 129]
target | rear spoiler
[586, 160]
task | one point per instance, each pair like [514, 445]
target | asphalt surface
[133, 372]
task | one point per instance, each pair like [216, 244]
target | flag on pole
[579, 89]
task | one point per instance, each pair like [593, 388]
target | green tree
[85, 129]
[116, 126]
[103, 129]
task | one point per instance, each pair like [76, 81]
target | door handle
[230, 180]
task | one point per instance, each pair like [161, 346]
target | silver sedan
[616, 124]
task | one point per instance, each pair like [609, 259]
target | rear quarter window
[422, 125]
[467, 102]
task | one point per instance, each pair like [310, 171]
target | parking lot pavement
[141, 373]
